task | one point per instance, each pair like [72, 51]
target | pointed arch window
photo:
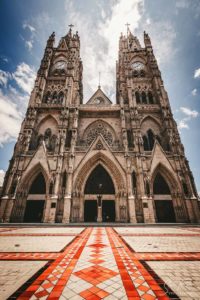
[151, 138]
[144, 98]
[134, 182]
[47, 97]
[54, 97]
[150, 97]
[39, 185]
[145, 143]
[148, 140]
[60, 97]
[137, 96]
[160, 186]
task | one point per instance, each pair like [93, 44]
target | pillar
[148, 210]
[132, 214]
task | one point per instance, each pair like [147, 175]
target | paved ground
[96, 263]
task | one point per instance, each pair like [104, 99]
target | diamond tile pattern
[98, 264]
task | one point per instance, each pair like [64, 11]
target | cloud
[2, 175]
[10, 119]
[28, 26]
[182, 125]
[13, 101]
[190, 113]
[197, 73]
[99, 40]
[194, 92]
[29, 44]
[4, 77]
[25, 77]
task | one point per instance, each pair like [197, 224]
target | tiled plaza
[135, 262]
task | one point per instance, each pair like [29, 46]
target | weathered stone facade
[99, 161]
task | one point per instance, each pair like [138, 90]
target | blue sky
[173, 25]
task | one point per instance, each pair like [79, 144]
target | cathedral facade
[99, 161]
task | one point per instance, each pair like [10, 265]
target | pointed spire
[99, 86]
[51, 40]
[147, 40]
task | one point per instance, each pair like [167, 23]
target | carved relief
[96, 129]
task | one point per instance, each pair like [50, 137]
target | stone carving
[96, 130]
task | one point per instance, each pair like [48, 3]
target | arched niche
[160, 186]
[47, 122]
[38, 185]
[99, 181]
[96, 128]
[162, 190]
[35, 202]
[150, 123]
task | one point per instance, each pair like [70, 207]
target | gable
[99, 98]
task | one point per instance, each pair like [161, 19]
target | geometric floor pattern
[96, 263]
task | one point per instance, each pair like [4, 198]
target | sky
[174, 28]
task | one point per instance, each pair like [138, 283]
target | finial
[127, 25]
[71, 26]
[99, 86]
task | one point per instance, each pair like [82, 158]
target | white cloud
[190, 113]
[2, 175]
[183, 125]
[99, 41]
[13, 102]
[10, 119]
[197, 73]
[29, 44]
[28, 26]
[194, 92]
[25, 77]
[4, 77]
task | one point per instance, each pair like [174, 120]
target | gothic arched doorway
[99, 197]
[36, 200]
[163, 201]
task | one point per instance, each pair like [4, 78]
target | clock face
[98, 100]
[137, 66]
[60, 65]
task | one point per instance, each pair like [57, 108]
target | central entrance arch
[99, 195]
[35, 202]
[163, 201]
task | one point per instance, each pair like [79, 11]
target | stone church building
[98, 161]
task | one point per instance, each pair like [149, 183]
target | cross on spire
[99, 80]
[127, 25]
[70, 28]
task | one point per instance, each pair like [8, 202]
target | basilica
[94, 160]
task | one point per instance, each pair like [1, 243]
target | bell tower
[151, 135]
[47, 132]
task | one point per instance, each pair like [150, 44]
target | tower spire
[99, 86]
[127, 25]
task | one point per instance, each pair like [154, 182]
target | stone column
[47, 209]
[67, 208]
[67, 200]
[117, 204]
[4, 201]
[8, 210]
[99, 214]
[149, 216]
[132, 214]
